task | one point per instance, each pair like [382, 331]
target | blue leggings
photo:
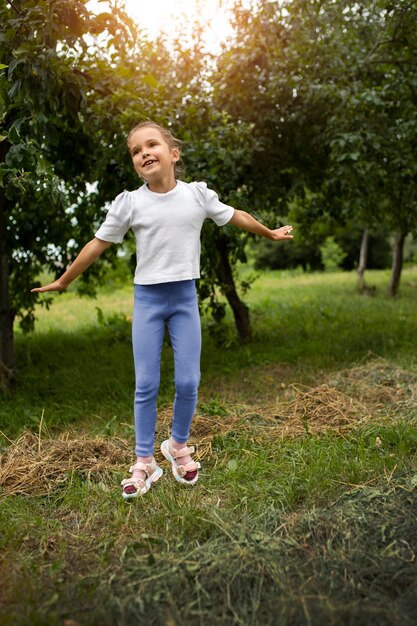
[174, 304]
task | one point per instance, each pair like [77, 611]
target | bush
[332, 255]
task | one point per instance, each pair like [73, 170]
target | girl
[166, 216]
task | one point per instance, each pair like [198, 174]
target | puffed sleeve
[118, 219]
[220, 213]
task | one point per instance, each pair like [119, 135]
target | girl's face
[153, 159]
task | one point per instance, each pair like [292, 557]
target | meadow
[305, 511]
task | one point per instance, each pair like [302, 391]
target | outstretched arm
[86, 257]
[243, 220]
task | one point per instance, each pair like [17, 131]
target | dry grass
[36, 464]
[320, 409]
[379, 384]
[377, 390]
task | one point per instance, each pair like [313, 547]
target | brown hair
[169, 138]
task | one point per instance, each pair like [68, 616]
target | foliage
[332, 255]
[68, 106]
[308, 113]
[304, 250]
[44, 89]
[331, 90]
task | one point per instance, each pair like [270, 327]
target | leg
[185, 332]
[147, 337]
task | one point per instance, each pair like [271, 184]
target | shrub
[332, 255]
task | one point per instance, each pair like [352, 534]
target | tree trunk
[225, 276]
[363, 261]
[7, 357]
[397, 264]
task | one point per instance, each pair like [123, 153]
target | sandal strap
[192, 466]
[144, 467]
[138, 483]
[177, 454]
[138, 466]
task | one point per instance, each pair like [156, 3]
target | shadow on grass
[352, 562]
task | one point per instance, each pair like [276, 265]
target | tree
[374, 145]
[220, 153]
[67, 105]
[45, 149]
[371, 133]
[331, 90]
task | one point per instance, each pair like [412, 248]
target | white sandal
[180, 471]
[141, 486]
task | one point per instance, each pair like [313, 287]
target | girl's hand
[87, 256]
[57, 285]
[282, 233]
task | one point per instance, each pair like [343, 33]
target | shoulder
[198, 186]
[199, 190]
[123, 198]
[122, 204]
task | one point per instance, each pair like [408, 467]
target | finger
[41, 289]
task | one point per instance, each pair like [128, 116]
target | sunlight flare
[164, 16]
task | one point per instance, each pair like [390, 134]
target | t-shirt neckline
[165, 193]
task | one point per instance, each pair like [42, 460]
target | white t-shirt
[167, 228]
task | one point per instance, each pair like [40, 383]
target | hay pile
[374, 391]
[319, 409]
[379, 384]
[38, 464]
[312, 411]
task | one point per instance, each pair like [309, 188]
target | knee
[187, 385]
[146, 387]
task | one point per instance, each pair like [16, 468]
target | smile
[149, 162]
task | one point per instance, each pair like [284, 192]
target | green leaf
[150, 80]
[42, 166]
[3, 172]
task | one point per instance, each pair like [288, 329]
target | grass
[300, 516]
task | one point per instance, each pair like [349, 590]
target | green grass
[318, 529]
[72, 368]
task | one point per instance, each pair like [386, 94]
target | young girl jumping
[166, 216]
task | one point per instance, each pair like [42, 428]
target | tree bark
[397, 264]
[225, 276]
[363, 261]
[7, 356]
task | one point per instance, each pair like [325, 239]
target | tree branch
[15, 7]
